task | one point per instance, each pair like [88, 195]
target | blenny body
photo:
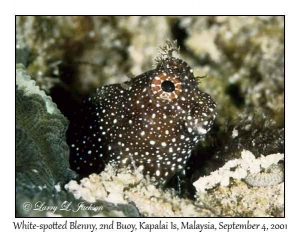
[151, 122]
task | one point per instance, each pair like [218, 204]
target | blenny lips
[151, 122]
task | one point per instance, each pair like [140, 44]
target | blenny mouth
[196, 127]
[200, 120]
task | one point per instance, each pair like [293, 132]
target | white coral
[247, 165]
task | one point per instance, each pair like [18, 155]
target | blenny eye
[166, 86]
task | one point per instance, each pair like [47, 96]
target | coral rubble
[223, 193]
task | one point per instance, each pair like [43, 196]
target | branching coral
[246, 167]
[124, 186]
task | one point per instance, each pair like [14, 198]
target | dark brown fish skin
[151, 122]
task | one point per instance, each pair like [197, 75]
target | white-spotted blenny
[151, 122]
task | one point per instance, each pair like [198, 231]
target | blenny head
[173, 83]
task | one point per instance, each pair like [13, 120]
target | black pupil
[168, 86]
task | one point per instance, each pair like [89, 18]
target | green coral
[42, 155]
[41, 150]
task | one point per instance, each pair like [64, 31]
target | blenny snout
[199, 120]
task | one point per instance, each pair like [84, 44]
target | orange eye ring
[157, 89]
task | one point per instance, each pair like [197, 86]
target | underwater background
[61, 60]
